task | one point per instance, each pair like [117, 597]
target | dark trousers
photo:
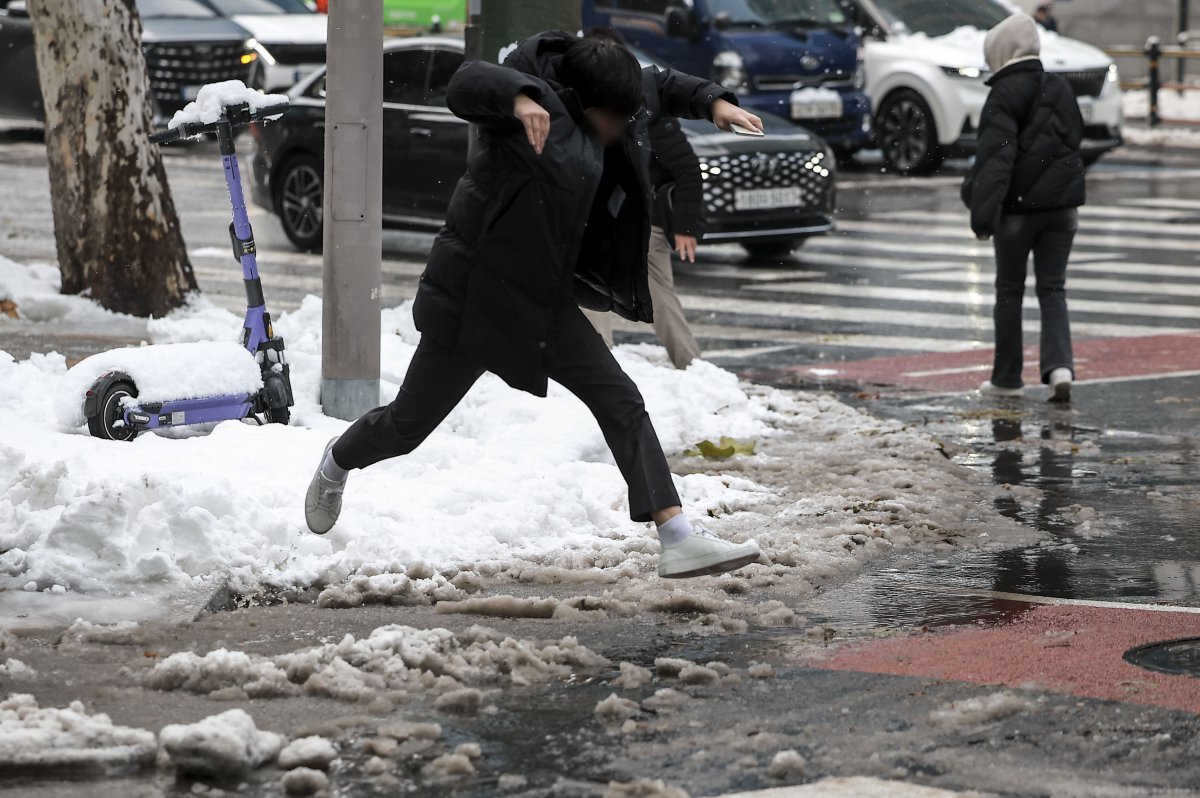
[576, 358]
[1048, 235]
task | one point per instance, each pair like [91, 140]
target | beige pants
[670, 324]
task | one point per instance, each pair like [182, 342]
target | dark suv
[186, 43]
[767, 194]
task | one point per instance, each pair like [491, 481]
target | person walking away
[1024, 190]
[551, 215]
[678, 217]
[1044, 17]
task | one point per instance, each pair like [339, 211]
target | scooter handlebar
[237, 115]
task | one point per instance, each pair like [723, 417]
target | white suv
[926, 73]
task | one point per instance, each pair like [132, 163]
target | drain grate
[1170, 656]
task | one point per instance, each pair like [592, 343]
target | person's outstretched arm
[690, 97]
[483, 93]
[995, 156]
[675, 154]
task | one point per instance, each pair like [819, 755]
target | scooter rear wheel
[104, 424]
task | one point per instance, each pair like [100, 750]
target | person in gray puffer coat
[1024, 190]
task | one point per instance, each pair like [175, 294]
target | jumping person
[678, 218]
[551, 214]
[1025, 189]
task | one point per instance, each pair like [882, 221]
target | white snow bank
[308, 752]
[52, 738]
[225, 746]
[392, 658]
[162, 372]
[1171, 104]
[212, 99]
[509, 483]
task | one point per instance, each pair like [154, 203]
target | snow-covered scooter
[260, 373]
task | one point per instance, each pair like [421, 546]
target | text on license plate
[763, 198]
[803, 108]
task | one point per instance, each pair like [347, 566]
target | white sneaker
[1060, 385]
[988, 389]
[323, 504]
[702, 553]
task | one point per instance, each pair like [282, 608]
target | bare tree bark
[115, 225]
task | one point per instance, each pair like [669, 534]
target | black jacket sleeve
[683, 95]
[677, 158]
[483, 93]
[987, 186]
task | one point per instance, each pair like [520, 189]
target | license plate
[805, 107]
[189, 93]
[758, 199]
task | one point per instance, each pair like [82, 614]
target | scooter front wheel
[109, 423]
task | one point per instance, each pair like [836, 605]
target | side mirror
[681, 22]
[17, 8]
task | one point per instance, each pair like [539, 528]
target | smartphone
[744, 131]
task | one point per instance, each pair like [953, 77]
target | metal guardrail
[1154, 53]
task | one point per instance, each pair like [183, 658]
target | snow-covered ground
[509, 482]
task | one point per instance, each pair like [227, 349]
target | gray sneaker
[323, 504]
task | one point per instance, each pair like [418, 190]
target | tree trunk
[115, 225]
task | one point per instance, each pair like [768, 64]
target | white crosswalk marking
[901, 282]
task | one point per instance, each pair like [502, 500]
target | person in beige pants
[678, 215]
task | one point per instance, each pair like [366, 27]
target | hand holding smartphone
[744, 131]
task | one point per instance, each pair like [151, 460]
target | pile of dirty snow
[390, 661]
[69, 737]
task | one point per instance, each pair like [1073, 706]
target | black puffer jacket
[1028, 157]
[678, 186]
[513, 253]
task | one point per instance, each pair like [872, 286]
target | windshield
[229, 8]
[174, 8]
[774, 13]
[939, 17]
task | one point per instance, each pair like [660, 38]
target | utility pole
[352, 209]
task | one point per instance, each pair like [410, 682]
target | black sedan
[767, 194]
[186, 43]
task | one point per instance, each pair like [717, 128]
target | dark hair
[603, 73]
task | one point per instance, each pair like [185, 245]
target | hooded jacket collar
[1014, 67]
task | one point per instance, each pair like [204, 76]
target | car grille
[1086, 82]
[832, 80]
[807, 170]
[298, 53]
[174, 66]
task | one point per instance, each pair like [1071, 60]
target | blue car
[798, 59]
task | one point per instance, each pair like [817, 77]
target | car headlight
[254, 51]
[860, 70]
[1113, 75]
[729, 71]
[969, 73]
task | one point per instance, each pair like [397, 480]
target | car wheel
[907, 134]
[773, 249]
[300, 192]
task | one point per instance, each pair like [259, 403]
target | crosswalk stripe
[978, 321]
[1074, 283]
[1147, 220]
[1166, 202]
[1111, 238]
[843, 261]
[973, 299]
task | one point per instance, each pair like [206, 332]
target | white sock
[674, 531]
[331, 470]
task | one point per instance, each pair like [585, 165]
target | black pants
[576, 358]
[1048, 235]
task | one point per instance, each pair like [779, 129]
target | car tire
[299, 193]
[773, 249]
[907, 134]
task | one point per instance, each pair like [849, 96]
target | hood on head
[1013, 39]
